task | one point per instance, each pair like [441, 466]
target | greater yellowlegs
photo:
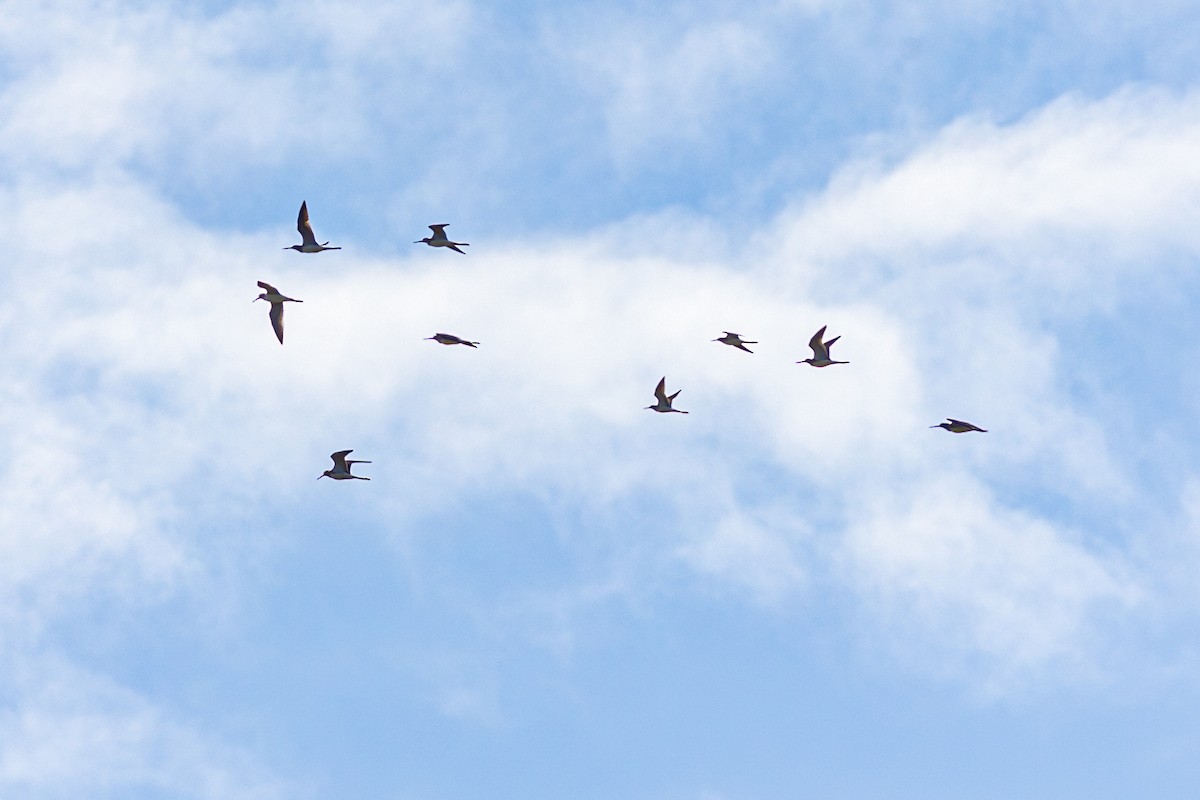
[821, 350]
[341, 467]
[439, 239]
[449, 338]
[958, 426]
[272, 296]
[664, 400]
[306, 233]
[734, 340]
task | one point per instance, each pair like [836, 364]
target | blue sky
[545, 591]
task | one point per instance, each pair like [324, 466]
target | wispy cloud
[70, 733]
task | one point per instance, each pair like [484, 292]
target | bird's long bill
[322, 475]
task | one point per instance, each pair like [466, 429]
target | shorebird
[958, 426]
[449, 338]
[272, 296]
[664, 400]
[439, 239]
[306, 233]
[821, 350]
[734, 340]
[341, 467]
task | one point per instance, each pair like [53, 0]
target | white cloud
[72, 734]
[666, 79]
[755, 554]
[1062, 198]
[103, 84]
[967, 588]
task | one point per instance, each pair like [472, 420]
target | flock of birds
[664, 402]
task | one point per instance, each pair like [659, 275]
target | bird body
[735, 340]
[272, 296]
[303, 225]
[958, 426]
[439, 239]
[820, 348]
[341, 467]
[449, 338]
[663, 405]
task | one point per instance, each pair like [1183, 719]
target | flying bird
[664, 401]
[821, 350]
[272, 296]
[734, 340]
[439, 239]
[449, 338]
[958, 426]
[341, 467]
[306, 233]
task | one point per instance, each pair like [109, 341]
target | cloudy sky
[798, 590]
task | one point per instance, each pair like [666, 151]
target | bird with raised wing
[449, 338]
[439, 239]
[341, 467]
[820, 348]
[958, 426]
[272, 296]
[664, 400]
[734, 340]
[303, 225]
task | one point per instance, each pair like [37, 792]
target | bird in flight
[958, 426]
[734, 340]
[272, 296]
[821, 350]
[439, 239]
[310, 244]
[449, 338]
[341, 467]
[664, 400]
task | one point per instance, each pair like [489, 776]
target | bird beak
[322, 475]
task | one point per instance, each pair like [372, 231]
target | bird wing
[661, 390]
[439, 231]
[339, 460]
[304, 226]
[818, 348]
[268, 287]
[277, 320]
[960, 422]
[829, 344]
